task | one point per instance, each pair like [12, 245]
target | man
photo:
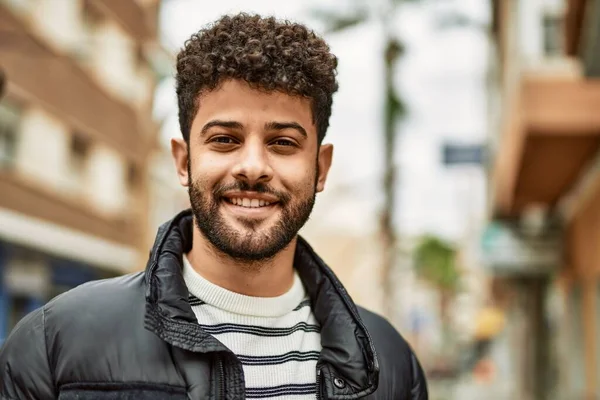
[232, 304]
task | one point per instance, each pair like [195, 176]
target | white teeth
[250, 203]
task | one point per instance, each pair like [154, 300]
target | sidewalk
[467, 389]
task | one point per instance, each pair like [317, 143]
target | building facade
[542, 243]
[77, 140]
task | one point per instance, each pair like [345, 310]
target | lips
[247, 202]
[250, 199]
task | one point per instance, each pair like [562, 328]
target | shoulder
[84, 322]
[71, 328]
[399, 368]
[383, 333]
[96, 309]
[96, 301]
[24, 369]
[99, 295]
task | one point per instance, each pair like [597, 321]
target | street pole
[2, 82]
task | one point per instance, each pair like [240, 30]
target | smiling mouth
[249, 203]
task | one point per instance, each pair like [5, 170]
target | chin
[246, 226]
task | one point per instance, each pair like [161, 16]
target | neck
[269, 278]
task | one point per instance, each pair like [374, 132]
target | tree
[394, 111]
[435, 263]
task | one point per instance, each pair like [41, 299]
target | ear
[179, 150]
[324, 162]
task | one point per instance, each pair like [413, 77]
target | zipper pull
[319, 391]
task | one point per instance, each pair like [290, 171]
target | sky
[441, 78]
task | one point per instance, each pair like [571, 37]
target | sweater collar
[237, 303]
[348, 352]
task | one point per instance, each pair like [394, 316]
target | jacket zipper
[221, 379]
[319, 394]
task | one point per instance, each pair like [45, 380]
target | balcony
[24, 197]
[550, 126]
[71, 93]
[135, 19]
[553, 136]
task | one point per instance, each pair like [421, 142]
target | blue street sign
[454, 154]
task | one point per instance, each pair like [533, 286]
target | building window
[10, 120]
[553, 13]
[133, 184]
[553, 34]
[91, 19]
[78, 158]
[133, 177]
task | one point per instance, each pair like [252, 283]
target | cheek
[297, 175]
[208, 167]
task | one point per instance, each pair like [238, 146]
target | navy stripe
[303, 304]
[259, 330]
[194, 301]
[282, 390]
[279, 359]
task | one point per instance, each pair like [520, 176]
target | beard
[252, 243]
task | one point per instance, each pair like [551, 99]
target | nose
[253, 164]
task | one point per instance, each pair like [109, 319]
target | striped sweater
[277, 339]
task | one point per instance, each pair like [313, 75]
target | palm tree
[394, 107]
[394, 111]
[435, 263]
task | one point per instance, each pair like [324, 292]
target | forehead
[237, 101]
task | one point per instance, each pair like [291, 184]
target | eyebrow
[279, 126]
[272, 126]
[222, 124]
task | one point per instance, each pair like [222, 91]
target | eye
[283, 142]
[223, 140]
[223, 143]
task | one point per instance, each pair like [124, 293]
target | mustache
[258, 187]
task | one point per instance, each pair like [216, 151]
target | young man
[232, 304]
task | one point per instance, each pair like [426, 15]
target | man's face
[254, 169]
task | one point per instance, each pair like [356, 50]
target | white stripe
[275, 375]
[251, 345]
[209, 315]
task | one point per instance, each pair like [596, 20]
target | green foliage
[393, 50]
[435, 262]
[395, 109]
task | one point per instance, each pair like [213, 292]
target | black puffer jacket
[136, 337]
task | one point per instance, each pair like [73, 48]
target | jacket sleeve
[24, 369]
[419, 384]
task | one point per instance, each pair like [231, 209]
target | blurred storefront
[77, 140]
[542, 243]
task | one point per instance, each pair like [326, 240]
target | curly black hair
[268, 54]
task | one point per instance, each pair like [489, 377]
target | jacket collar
[348, 351]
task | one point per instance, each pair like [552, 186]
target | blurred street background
[464, 199]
